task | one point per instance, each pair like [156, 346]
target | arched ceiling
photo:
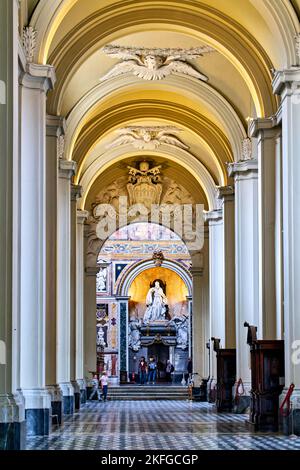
[250, 38]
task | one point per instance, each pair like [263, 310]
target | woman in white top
[104, 385]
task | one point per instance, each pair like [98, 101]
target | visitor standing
[142, 370]
[104, 385]
[152, 367]
[189, 369]
[169, 370]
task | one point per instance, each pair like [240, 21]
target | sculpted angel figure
[154, 64]
[148, 138]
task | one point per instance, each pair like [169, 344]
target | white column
[198, 324]
[81, 217]
[54, 133]
[279, 240]
[90, 351]
[66, 171]
[35, 83]
[76, 193]
[266, 132]
[216, 282]
[286, 83]
[246, 260]
[226, 195]
[12, 416]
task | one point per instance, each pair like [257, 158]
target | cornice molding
[67, 168]
[38, 76]
[82, 216]
[242, 167]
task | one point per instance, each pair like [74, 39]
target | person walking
[142, 370]
[95, 389]
[104, 385]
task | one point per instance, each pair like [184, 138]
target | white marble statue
[134, 334]
[181, 324]
[156, 302]
[101, 280]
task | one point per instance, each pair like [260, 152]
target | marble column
[267, 133]
[226, 196]
[35, 81]
[198, 317]
[76, 193]
[286, 83]
[54, 135]
[123, 338]
[246, 260]
[79, 346]
[63, 352]
[216, 283]
[12, 415]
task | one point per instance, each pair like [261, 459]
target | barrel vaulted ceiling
[250, 38]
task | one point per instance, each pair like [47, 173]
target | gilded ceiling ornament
[29, 42]
[148, 138]
[154, 64]
[144, 185]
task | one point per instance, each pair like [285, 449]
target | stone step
[153, 392]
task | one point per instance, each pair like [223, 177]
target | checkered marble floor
[157, 425]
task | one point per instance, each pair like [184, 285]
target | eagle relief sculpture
[148, 137]
[154, 64]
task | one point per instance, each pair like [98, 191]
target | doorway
[161, 354]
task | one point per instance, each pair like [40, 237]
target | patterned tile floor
[157, 425]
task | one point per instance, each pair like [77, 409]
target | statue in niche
[157, 304]
[181, 324]
[134, 334]
[101, 280]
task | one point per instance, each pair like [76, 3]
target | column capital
[92, 270]
[225, 193]
[55, 125]
[36, 76]
[76, 192]
[82, 216]
[213, 216]
[242, 167]
[259, 125]
[67, 168]
[197, 259]
[286, 82]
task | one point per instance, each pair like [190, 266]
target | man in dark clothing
[189, 369]
[143, 371]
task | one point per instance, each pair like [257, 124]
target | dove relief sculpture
[154, 64]
[148, 138]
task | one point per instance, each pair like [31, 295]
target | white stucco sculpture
[156, 302]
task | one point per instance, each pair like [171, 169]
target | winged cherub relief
[154, 64]
[148, 138]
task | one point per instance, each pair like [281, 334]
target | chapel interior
[150, 198]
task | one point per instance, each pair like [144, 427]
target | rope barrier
[287, 402]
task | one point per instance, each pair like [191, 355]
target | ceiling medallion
[154, 64]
